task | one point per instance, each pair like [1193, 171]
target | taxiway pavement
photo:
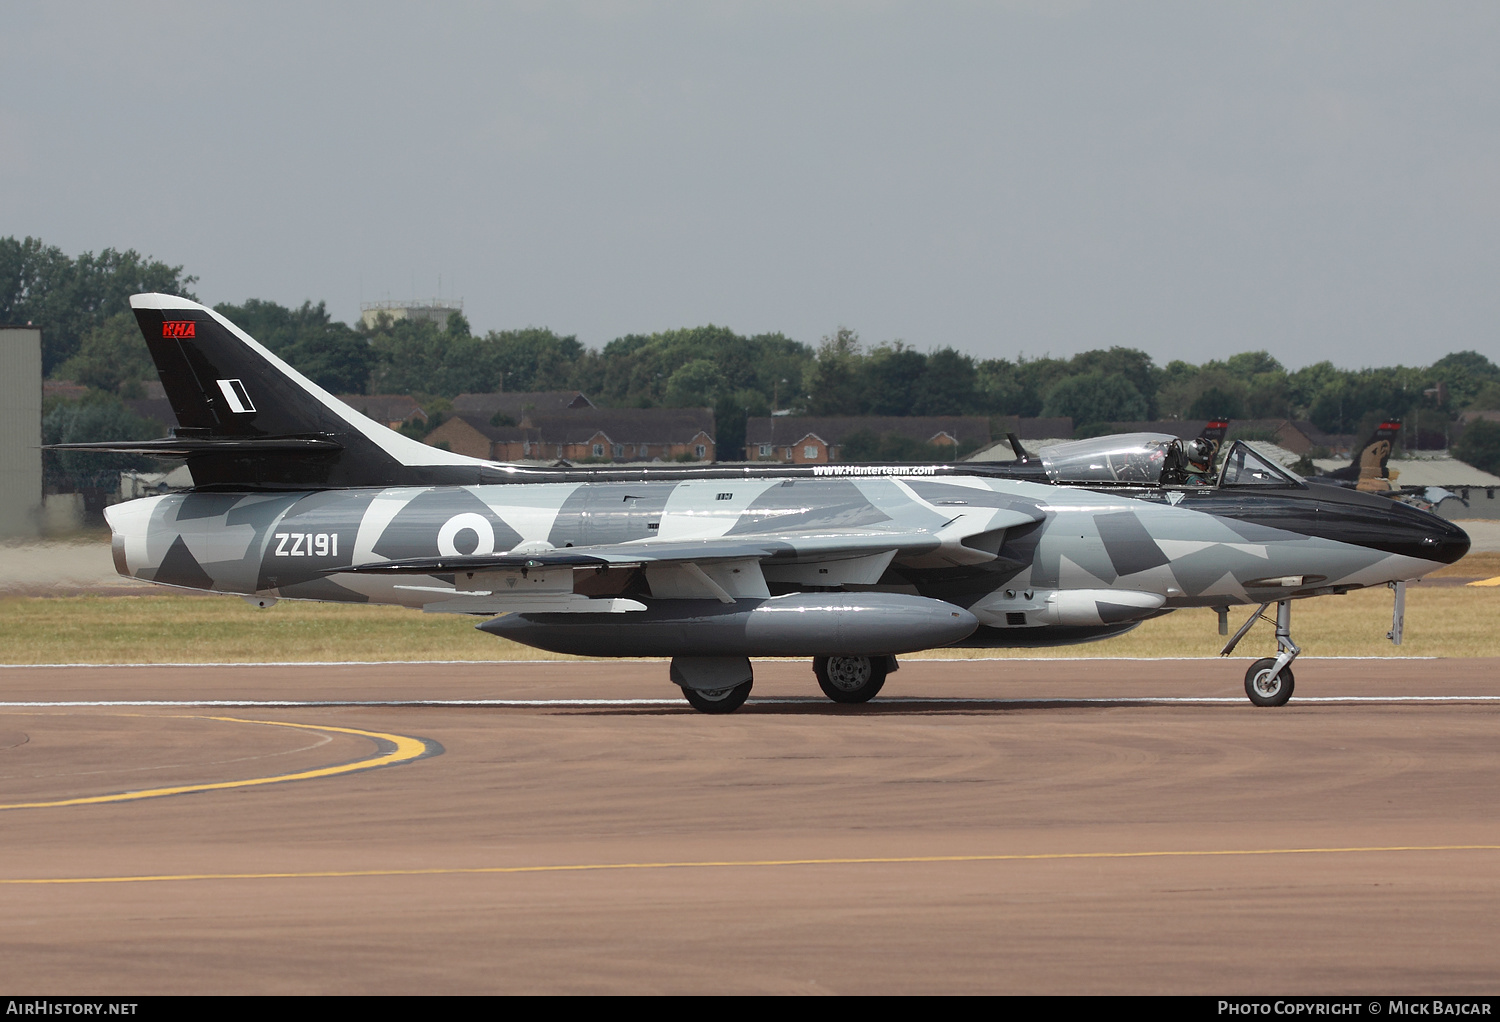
[1079, 826]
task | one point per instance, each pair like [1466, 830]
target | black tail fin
[1214, 431]
[1368, 469]
[247, 419]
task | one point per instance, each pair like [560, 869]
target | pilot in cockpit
[1190, 463]
[1199, 457]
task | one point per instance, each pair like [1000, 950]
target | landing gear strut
[713, 684]
[1269, 681]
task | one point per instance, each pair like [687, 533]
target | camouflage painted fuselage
[1029, 560]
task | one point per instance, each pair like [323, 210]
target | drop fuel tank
[799, 624]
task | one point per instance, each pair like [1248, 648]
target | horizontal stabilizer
[182, 447]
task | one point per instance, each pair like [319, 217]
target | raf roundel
[484, 535]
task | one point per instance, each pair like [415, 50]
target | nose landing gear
[1268, 686]
[1269, 681]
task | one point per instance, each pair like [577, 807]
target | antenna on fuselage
[1015, 445]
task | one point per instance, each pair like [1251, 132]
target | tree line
[81, 305]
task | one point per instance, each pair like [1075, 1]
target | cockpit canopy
[1243, 467]
[1134, 459]
[1156, 459]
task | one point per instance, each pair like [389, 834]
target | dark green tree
[731, 414]
[1214, 403]
[1038, 376]
[635, 370]
[1132, 364]
[1307, 384]
[1488, 397]
[1480, 445]
[329, 353]
[531, 359]
[998, 387]
[1249, 364]
[949, 386]
[836, 379]
[890, 377]
[1269, 397]
[1095, 397]
[66, 298]
[98, 417]
[1363, 395]
[1465, 374]
[697, 384]
[113, 357]
[414, 356]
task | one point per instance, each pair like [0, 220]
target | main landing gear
[718, 700]
[1269, 681]
[851, 679]
[722, 684]
[713, 684]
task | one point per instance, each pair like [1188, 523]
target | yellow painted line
[406, 749]
[740, 863]
[1487, 582]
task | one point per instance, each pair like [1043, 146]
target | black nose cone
[1446, 541]
[1416, 533]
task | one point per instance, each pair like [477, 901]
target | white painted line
[322, 663]
[767, 660]
[320, 703]
[783, 701]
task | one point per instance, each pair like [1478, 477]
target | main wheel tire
[721, 700]
[850, 679]
[1266, 689]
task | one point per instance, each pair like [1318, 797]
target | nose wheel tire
[718, 700]
[1265, 688]
[850, 679]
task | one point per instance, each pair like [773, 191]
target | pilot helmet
[1200, 455]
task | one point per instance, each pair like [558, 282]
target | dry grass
[1440, 621]
[1485, 564]
[1455, 621]
[212, 629]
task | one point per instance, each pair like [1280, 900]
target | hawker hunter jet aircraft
[298, 496]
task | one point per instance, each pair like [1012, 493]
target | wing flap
[566, 604]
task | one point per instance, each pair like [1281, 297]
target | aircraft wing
[784, 547]
[791, 547]
[726, 568]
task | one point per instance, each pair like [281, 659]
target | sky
[1318, 180]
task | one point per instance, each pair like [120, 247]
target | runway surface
[1020, 827]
